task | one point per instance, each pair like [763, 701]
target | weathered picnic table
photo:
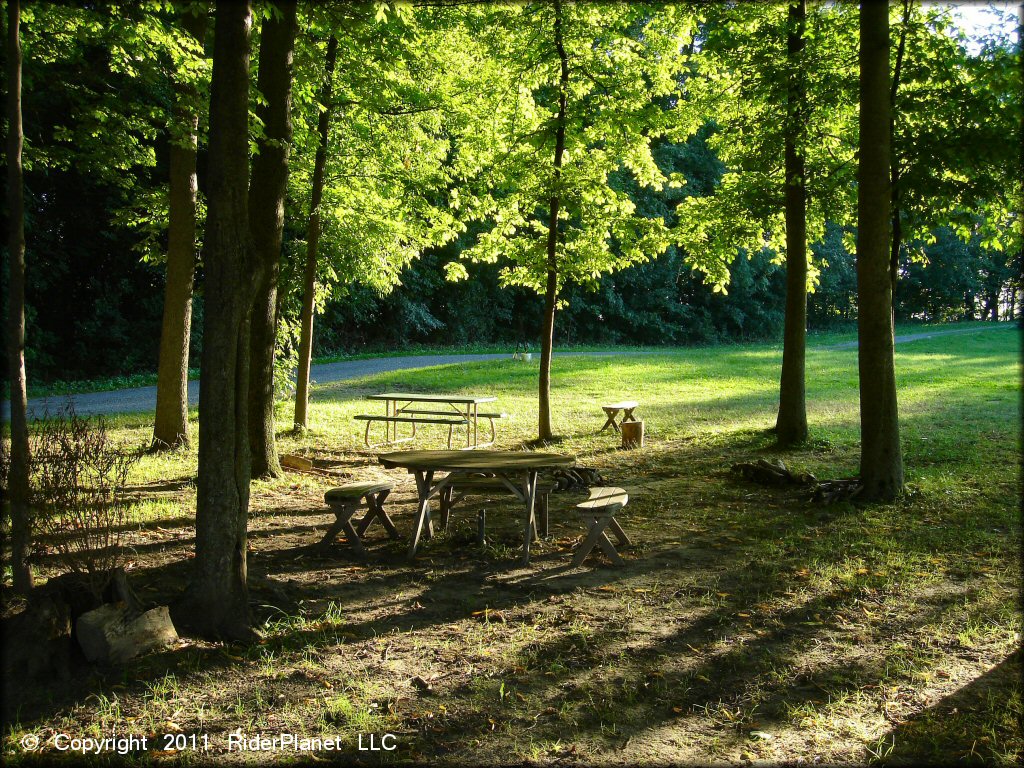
[415, 408]
[517, 470]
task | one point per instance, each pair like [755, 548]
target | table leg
[610, 413]
[531, 527]
[375, 510]
[476, 417]
[627, 415]
[423, 479]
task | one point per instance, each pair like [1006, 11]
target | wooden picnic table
[517, 469]
[415, 408]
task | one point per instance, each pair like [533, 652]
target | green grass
[748, 623]
[147, 379]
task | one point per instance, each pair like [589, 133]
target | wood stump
[632, 434]
[114, 633]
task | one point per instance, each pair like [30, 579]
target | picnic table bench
[487, 485]
[612, 409]
[413, 408]
[517, 470]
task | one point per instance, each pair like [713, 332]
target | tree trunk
[992, 306]
[266, 221]
[547, 339]
[217, 600]
[791, 424]
[17, 479]
[881, 462]
[312, 241]
[969, 306]
[170, 427]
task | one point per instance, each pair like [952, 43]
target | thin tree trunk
[547, 339]
[17, 479]
[881, 462]
[170, 427]
[266, 216]
[894, 164]
[791, 424]
[313, 241]
[217, 600]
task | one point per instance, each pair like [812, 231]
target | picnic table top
[424, 398]
[475, 461]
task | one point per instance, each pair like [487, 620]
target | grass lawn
[749, 624]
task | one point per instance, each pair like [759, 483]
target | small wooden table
[612, 409]
[516, 469]
[414, 408]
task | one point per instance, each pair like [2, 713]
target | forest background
[99, 96]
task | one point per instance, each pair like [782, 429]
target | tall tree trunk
[894, 162]
[551, 286]
[313, 241]
[217, 600]
[970, 306]
[17, 479]
[791, 424]
[881, 460]
[266, 220]
[170, 427]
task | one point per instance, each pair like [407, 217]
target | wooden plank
[475, 461]
[410, 419]
[355, 491]
[623, 405]
[603, 497]
[416, 397]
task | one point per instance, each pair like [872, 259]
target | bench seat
[598, 514]
[477, 485]
[411, 420]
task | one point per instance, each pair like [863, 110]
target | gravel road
[142, 399]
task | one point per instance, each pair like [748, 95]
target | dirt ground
[718, 641]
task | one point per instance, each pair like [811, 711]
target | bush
[78, 495]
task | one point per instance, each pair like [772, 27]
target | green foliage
[440, 168]
[624, 61]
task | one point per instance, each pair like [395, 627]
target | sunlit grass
[749, 624]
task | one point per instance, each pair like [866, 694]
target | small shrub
[78, 495]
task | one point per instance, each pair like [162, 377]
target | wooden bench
[482, 485]
[612, 409]
[489, 416]
[598, 513]
[452, 422]
[345, 500]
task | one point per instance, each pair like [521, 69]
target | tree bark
[170, 427]
[17, 479]
[266, 221]
[216, 603]
[313, 241]
[881, 462]
[547, 339]
[791, 424]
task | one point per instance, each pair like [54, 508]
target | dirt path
[142, 399]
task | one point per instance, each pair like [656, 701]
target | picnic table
[517, 469]
[415, 408]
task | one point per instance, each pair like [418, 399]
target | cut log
[296, 462]
[113, 633]
[632, 434]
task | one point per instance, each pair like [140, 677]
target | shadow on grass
[734, 643]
